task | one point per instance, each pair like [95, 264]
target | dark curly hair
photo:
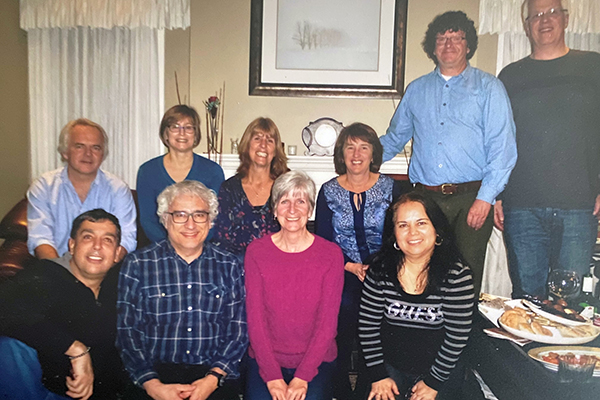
[386, 263]
[352, 132]
[453, 21]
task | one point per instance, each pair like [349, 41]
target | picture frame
[313, 52]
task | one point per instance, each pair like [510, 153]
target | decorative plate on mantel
[319, 136]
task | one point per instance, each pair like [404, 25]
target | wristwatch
[220, 377]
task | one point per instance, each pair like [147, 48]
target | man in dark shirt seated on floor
[182, 316]
[58, 319]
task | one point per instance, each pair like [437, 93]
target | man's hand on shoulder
[45, 251]
[160, 391]
[121, 254]
[81, 384]
[597, 206]
[478, 213]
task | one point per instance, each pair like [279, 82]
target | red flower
[212, 105]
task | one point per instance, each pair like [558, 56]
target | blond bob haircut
[65, 134]
[190, 188]
[177, 113]
[294, 183]
[268, 127]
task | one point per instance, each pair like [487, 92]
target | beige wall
[219, 46]
[177, 61]
[213, 50]
[14, 114]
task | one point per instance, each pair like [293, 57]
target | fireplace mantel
[319, 168]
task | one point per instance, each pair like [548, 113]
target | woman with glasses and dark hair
[245, 210]
[180, 133]
[351, 212]
[416, 306]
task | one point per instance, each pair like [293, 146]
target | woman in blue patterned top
[245, 210]
[351, 212]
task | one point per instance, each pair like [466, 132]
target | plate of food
[557, 311]
[549, 355]
[492, 306]
[530, 325]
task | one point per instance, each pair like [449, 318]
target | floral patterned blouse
[356, 230]
[239, 222]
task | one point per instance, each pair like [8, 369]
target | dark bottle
[587, 288]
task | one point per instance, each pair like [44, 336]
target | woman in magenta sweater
[294, 283]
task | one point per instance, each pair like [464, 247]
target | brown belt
[454, 188]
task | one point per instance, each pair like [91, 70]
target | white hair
[192, 188]
[525, 8]
[294, 182]
[65, 134]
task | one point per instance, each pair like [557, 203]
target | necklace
[412, 286]
[256, 192]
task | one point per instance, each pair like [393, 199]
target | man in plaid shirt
[182, 318]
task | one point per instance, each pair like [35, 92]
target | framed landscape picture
[349, 48]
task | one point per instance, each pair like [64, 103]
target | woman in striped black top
[416, 306]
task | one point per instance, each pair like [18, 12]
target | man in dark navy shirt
[182, 317]
[58, 319]
[550, 206]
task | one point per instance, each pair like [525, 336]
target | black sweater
[416, 334]
[47, 308]
[556, 106]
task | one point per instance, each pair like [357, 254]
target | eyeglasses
[551, 13]
[181, 217]
[175, 128]
[444, 39]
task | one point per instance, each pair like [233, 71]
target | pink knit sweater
[292, 302]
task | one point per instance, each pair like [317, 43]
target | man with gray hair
[57, 197]
[549, 206]
[182, 317]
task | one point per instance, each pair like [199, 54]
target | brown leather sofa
[13, 229]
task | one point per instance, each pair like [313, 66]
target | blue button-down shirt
[463, 131]
[174, 312]
[53, 204]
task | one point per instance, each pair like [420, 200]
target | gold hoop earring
[438, 240]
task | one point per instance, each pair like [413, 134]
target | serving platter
[552, 317]
[556, 337]
[539, 352]
[493, 314]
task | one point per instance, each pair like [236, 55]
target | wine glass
[563, 284]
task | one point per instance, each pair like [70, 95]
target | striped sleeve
[457, 308]
[370, 317]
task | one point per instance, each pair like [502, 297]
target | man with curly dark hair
[464, 135]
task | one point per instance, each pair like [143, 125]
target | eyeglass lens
[181, 217]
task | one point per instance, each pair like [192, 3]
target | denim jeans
[450, 390]
[540, 240]
[319, 388]
[21, 373]
[347, 340]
